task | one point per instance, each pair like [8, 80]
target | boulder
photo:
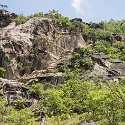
[6, 17]
[13, 90]
[95, 26]
[82, 122]
[43, 77]
[118, 66]
[106, 68]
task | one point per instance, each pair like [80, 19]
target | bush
[2, 71]
[21, 68]
[22, 117]
[20, 19]
[86, 63]
[85, 51]
[64, 116]
[75, 56]
[36, 90]
[40, 14]
[19, 104]
[3, 109]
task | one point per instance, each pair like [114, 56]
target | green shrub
[2, 71]
[86, 117]
[64, 117]
[76, 55]
[20, 19]
[19, 104]
[3, 109]
[21, 117]
[85, 51]
[40, 14]
[21, 68]
[36, 90]
[20, 65]
[102, 46]
[87, 63]
[119, 44]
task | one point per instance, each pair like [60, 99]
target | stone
[40, 77]
[6, 17]
[13, 90]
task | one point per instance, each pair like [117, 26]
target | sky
[87, 10]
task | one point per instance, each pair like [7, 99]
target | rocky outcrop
[43, 77]
[98, 65]
[33, 46]
[6, 17]
[106, 68]
[13, 90]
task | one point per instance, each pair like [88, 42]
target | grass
[56, 121]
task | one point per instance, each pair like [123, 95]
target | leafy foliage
[99, 102]
[36, 90]
[87, 63]
[43, 44]
[20, 19]
[19, 104]
[75, 56]
[21, 117]
[40, 14]
[20, 66]
[2, 71]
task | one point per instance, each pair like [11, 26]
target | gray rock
[13, 90]
[19, 54]
[54, 78]
[82, 122]
[106, 68]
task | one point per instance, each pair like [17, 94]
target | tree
[3, 6]
[36, 90]
[53, 101]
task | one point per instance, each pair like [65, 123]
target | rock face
[102, 67]
[106, 68]
[13, 90]
[33, 46]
